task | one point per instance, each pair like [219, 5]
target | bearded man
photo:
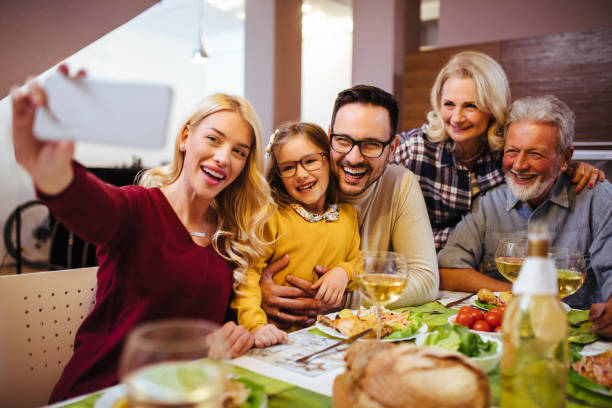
[537, 150]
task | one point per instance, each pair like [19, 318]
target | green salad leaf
[461, 339]
[582, 334]
[484, 305]
[256, 397]
[583, 382]
[409, 330]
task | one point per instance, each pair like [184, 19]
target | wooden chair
[39, 316]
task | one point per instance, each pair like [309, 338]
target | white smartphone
[120, 113]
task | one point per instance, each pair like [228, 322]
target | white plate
[486, 363]
[473, 299]
[112, 394]
[334, 333]
[451, 320]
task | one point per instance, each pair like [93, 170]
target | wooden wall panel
[576, 67]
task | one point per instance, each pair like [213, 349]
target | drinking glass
[174, 363]
[382, 280]
[509, 257]
[571, 269]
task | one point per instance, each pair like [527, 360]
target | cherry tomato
[502, 309]
[495, 310]
[494, 319]
[465, 319]
[481, 325]
[498, 329]
[466, 309]
[477, 314]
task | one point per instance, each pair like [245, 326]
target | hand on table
[238, 339]
[269, 335]
[601, 317]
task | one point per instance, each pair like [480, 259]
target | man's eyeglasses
[310, 162]
[368, 148]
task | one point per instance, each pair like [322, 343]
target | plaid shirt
[445, 182]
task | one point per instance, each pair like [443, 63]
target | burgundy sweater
[150, 268]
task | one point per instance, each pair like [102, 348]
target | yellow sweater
[330, 244]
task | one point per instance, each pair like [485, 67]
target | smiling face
[216, 151]
[531, 160]
[308, 187]
[463, 121]
[359, 121]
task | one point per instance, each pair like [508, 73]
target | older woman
[172, 247]
[457, 154]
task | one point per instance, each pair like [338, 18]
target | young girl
[308, 225]
[167, 248]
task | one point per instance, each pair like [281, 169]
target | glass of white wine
[174, 363]
[571, 269]
[509, 257]
[382, 280]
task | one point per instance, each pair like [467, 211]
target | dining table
[288, 383]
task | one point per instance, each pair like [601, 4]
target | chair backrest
[39, 316]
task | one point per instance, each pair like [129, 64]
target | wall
[28, 48]
[476, 21]
[155, 46]
[327, 38]
[273, 54]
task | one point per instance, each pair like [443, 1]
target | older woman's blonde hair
[245, 205]
[492, 94]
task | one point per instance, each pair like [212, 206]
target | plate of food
[239, 393]
[486, 299]
[590, 375]
[454, 320]
[395, 326]
[482, 349]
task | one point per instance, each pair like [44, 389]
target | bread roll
[381, 375]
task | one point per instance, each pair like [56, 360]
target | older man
[390, 206]
[537, 150]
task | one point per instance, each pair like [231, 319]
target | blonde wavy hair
[245, 205]
[492, 94]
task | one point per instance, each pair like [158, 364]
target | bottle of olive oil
[535, 357]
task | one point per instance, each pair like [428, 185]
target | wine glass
[173, 362]
[509, 257]
[382, 280]
[571, 269]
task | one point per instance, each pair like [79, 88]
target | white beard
[530, 191]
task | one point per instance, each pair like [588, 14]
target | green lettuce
[461, 339]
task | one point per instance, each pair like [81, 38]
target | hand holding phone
[118, 113]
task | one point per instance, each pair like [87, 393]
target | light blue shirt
[582, 221]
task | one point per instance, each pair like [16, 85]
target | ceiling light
[200, 56]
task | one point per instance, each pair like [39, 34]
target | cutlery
[578, 324]
[344, 341]
[456, 302]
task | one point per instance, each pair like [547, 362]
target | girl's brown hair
[284, 134]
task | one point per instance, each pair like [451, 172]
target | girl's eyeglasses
[310, 162]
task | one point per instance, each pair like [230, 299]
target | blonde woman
[457, 154]
[172, 247]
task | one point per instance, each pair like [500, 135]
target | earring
[182, 148]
